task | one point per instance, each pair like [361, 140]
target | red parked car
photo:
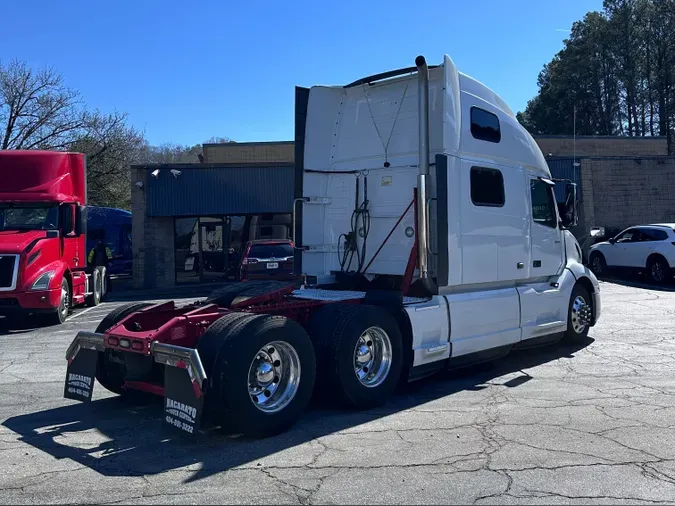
[267, 259]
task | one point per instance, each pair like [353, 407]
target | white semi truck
[428, 236]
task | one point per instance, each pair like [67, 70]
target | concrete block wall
[551, 145]
[249, 152]
[602, 146]
[152, 241]
[620, 193]
[138, 206]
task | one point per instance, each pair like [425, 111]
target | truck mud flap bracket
[82, 357]
[184, 383]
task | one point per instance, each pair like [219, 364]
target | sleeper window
[487, 187]
[485, 125]
[543, 204]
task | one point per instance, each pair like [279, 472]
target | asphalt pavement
[589, 424]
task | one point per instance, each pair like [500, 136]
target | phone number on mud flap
[78, 391]
[180, 425]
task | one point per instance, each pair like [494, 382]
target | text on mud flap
[183, 411]
[78, 380]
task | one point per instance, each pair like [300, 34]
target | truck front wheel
[579, 315]
[63, 309]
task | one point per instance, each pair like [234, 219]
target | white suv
[645, 247]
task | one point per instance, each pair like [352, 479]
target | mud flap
[80, 376]
[184, 381]
[183, 403]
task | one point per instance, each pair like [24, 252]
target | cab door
[72, 253]
[546, 238]
[543, 305]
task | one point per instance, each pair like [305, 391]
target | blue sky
[188, 71]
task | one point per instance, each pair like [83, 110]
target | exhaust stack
[422, 218]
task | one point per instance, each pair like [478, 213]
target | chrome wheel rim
[274, 376]
[104, 283]
[64, 301]
[581, 314]
[658, 273]
[372, 357]
[597, 264]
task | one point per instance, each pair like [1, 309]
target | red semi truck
[43, 257]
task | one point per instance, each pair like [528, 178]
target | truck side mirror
[80, 220]
[66, 219]
[570, 217]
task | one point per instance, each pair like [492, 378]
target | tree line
[38, 111]
[615, 74]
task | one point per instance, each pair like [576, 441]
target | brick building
[187, 227]
[190, 221]
[250, 152]
[584, 146]
[624, 181]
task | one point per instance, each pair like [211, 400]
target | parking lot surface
[590, 424]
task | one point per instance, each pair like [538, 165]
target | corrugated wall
[201, 191]
[563, 168]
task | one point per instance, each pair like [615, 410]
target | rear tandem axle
[247, 355]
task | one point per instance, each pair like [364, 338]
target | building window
[487, 187]
[186, 243]
[485, 125]
[543, 204]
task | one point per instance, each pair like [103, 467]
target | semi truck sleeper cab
[427, 236]
[43, 260]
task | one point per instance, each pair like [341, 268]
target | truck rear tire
[242, 290]
[97, 289]
[263, 374]
[360, 353]
[111, 374]
[210, 343]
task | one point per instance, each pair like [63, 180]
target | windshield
[271, 251]
[29, 217]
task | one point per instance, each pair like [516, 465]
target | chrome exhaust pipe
[422, 218]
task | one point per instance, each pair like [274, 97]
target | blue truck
[113, 227]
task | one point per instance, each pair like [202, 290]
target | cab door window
[543, 204]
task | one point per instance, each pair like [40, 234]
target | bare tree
[37, 111]
[218, 140]
[172, 153]
[111, 147]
